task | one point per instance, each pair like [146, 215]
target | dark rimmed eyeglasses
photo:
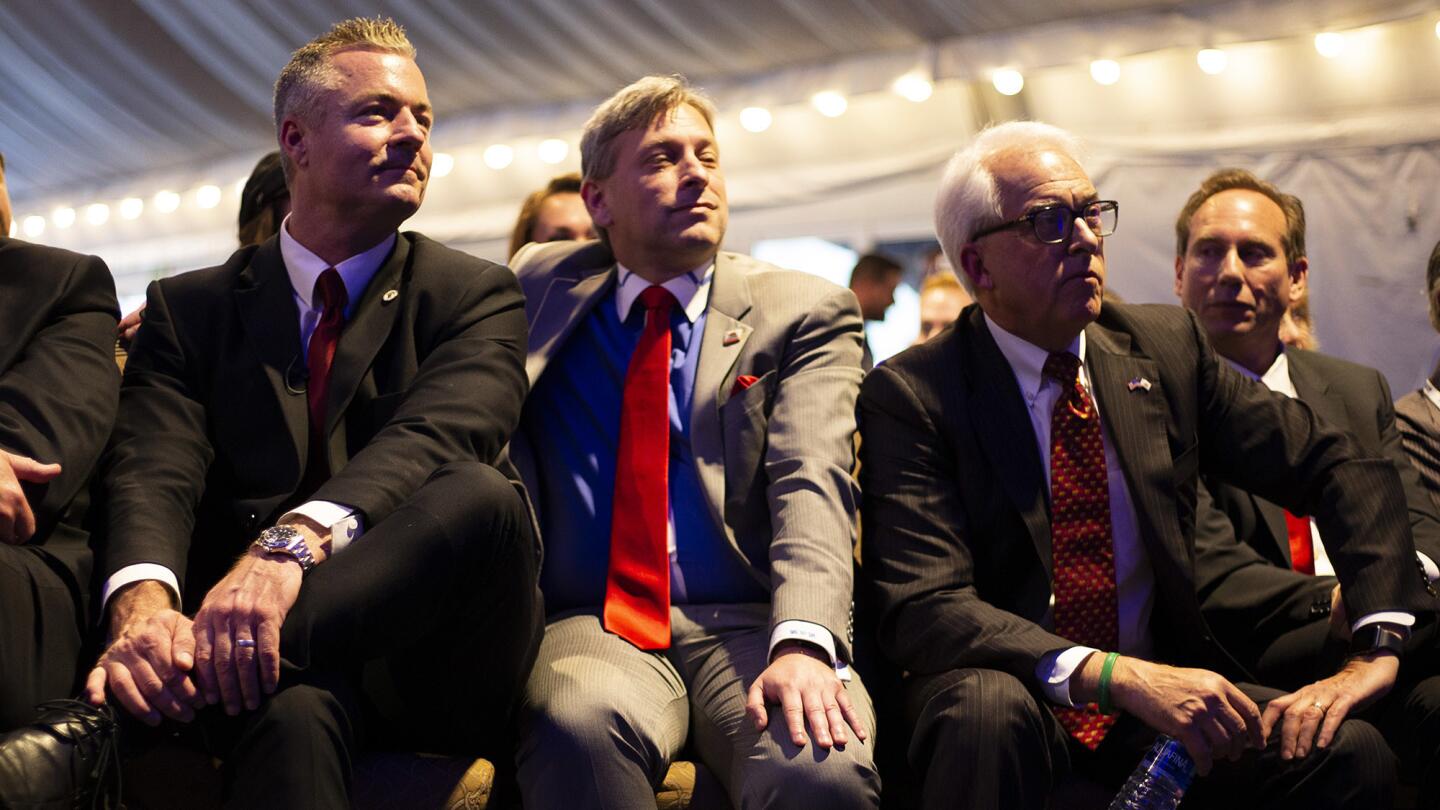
[1053, 224]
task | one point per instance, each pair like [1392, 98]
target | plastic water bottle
[1162, 778]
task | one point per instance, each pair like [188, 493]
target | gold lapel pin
[390, 295]
[1139, 382]
[731, 338]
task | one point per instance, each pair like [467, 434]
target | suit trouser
[1409, 716]
[418, 636]
[602, 720]
[41, 634]
[981, 739]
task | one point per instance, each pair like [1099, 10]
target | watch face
[276, 538]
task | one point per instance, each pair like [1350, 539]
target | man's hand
[129, 325]
[1205, 712]
[807, 688]
[17, 520]
[1321, 706]
[237, 630]
[149, 659]
[1339, 622]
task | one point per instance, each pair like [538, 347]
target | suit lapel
[725, 337]
[366, 332]
[266, 304]
[567, 299]
[1138, 423]
[1002, 423]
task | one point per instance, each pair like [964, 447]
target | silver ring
[1317, 704]
[245, 642]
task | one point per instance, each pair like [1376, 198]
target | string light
[34, 226]
[913, 87]
[97, 214]
[499, 156]
[441, 164]
[1105, 71]
[131, 207]
[552, 150]
[755, 119]
[1212, 60]
[1330, 44]
[1007, 81]
[63, 217]
[830, 103]
[207, 196]
[166, 201]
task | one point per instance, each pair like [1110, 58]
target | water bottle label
[1175, 763]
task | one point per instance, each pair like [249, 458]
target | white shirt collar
[1028, 360]
[1276, 378]
[304, 267]
[1431, 392]
[691, 289]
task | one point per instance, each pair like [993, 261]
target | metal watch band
[288, 541]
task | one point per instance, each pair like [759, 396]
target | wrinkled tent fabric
[104, 100]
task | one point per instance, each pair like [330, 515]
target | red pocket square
[742, 382]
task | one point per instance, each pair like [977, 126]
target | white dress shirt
[1134, 579]
[304, 269]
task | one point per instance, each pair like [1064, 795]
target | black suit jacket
[1252, 596]
[211, 441]
[957, 527]
[58, 387]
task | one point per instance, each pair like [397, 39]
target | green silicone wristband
[1105, 670]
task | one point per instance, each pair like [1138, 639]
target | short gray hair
[309, 72]
[634, 107]
[969, 199]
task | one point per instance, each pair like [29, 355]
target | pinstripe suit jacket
[1419, 423]
[957, 526]
[775, 458]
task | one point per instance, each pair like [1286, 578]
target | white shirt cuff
[345, 525]
[1432, 571]
[1387, 616]
[1055, 669]
[140, 572]
[794, 629]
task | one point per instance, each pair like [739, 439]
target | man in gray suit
[688, 444]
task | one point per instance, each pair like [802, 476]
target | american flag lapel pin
[731, 338]
[1139, 382]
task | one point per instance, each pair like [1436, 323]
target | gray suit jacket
[774, 458]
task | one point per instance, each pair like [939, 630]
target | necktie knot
[658, 298]
[330, 291]
[1062, 367]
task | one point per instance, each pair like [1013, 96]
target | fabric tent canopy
[105, 100]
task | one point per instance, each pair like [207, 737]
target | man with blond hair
[309, 547]
[688, 439]
[1030, 480]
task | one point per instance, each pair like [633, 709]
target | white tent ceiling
[106, 99]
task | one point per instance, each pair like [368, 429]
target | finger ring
[245, 642]
[1317, 704]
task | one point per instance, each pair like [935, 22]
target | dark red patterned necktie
[1086, 605]
[330, 294]
[637, 584]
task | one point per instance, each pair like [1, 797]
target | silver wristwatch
[288, 541]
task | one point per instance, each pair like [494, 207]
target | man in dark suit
[689, 440]
[1240, 263]
[1029, 480]
[1418, 412]
[304, 523]
[58, 389]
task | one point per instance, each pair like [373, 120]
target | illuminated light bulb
[1007, 82]
[442, 164]
[63, 217]
[1105, 71]
[1330, 44]
[97, 214]
[830, 103]
[756, 119]
[913, 87]
[552, 150]
[34, 226]
[1212, 60]
[499, 156]
[166, 201]
[131, 207]
[207, 196]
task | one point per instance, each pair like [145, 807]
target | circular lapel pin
[390, 295]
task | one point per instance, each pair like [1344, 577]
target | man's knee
[974, 709]
[814, 777]
[300, 716]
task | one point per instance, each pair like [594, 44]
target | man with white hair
[1030, 482]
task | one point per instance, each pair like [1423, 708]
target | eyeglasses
[1053, 224]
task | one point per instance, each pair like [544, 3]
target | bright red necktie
[330, 294]
[1083, 553]
[637, 585]
[1302, 552]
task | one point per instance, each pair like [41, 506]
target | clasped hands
[803, 681]
[161, 663]
[1213, 719]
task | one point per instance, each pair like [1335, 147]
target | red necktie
[1086, 605]
[637, 585]
[1302, 553]
[330, 294]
